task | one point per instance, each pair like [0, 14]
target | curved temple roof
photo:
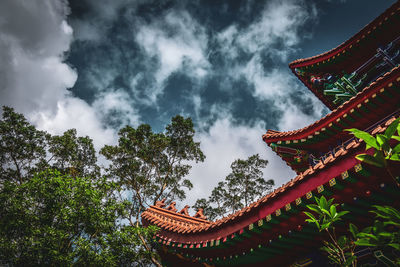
[193, 230]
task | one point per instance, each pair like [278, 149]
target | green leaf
[350, 260]
[333, 211]
[396, 149]
[323, 204]
[395, 246]
[310, 215]
[364, 242]
[370, 160]
[383, 141]
[391, 129]
[395, 137]
[368, 139]
[315, 208]
[353, 230]
[395, 157]
[325, 225]
[342, 213]
[326, 212]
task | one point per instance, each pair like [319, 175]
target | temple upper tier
[339, 74]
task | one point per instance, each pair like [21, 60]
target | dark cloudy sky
[97, 65]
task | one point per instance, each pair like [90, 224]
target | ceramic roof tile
[351, 144]
[330, 158]
[388, 122]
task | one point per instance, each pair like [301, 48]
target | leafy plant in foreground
[383, 234]
[384, 152]
[340, 250]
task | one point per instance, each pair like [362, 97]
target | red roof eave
[367, 92]
[345, 45]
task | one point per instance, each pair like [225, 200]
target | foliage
[326, 211]
[385, 232]
[24, 150]
[340, 250]
[22, 147]
[210, 212]
[72, 215]
[72, 154]
[55, 219]
[152, 165]
[244, 185]
[384, 152]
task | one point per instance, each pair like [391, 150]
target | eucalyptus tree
[246, 181]
[244, 185]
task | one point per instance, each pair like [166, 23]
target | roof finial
[185, 210]
[199, 214]
[161, 203]
[171, 207]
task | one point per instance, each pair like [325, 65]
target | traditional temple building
[360, 83]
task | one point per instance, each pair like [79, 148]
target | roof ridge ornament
[199, 214]
[185, 211]
[172, 207]
[161, 204]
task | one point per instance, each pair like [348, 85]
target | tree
[72, 154]
[60, 220]
[209, 212]
[24, 150]
[244, 185]
[151, 166]
[383, 233]
[22, 147]
[57, 208]
[246, 180]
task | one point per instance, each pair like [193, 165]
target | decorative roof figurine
[172, 207]
[199, 214]
[161, 204]
[185, 210]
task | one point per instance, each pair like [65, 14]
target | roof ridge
[352, 39]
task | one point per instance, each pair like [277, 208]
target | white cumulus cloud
[177, 41]
[34, 78]
[226, 142]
